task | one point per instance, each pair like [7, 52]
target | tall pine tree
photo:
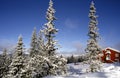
[93, 50]
[34, 44]
[41, 44]
[56, 64]
[50, 30]
[36, 66]
[17, 63]
[5, 61]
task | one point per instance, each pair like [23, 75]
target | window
[116, 55]
[108, 57]
[108, 53]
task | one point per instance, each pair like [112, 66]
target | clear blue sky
[21, 16]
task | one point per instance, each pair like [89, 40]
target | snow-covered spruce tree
[17, 63]
[50, 44]
[37, 65]
[45, 62]
[41, 45]
[5, 61]
[93, 49]
[50, 30]
[34, 44]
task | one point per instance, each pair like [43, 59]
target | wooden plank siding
[113, 56]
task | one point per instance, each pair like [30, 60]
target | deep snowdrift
[79, 71]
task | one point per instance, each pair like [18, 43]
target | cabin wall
[112, 56]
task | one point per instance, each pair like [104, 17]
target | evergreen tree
[37, 65]
[50, 30]
[43, 61]
[72, 59]
[41, 43]
[93, 50]
[30, 66]
[50, 44]
[34, 44]
[5, 61]
[17, 64]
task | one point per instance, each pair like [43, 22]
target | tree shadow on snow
[74, 71]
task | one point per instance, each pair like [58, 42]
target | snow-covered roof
[112, 49]
[108, 52]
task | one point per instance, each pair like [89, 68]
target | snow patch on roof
[112, 49]
[108, 52]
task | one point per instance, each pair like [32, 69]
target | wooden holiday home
[110, 55]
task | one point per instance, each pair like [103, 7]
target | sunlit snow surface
[79, 71]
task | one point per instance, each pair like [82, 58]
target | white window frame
[108, 57]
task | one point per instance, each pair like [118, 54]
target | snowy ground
[79, 71]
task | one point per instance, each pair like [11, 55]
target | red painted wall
[112, 56]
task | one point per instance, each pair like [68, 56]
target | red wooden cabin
[111, 55]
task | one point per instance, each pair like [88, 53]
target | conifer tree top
[50, 12]
[92, 3]
[34, 34]
[34, 31]
[4, 52]
[92, 7]
[93, 22]
[51, 3]
[49, 26]
[20, 38]
[19, 49]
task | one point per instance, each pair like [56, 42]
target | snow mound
[79, 71]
